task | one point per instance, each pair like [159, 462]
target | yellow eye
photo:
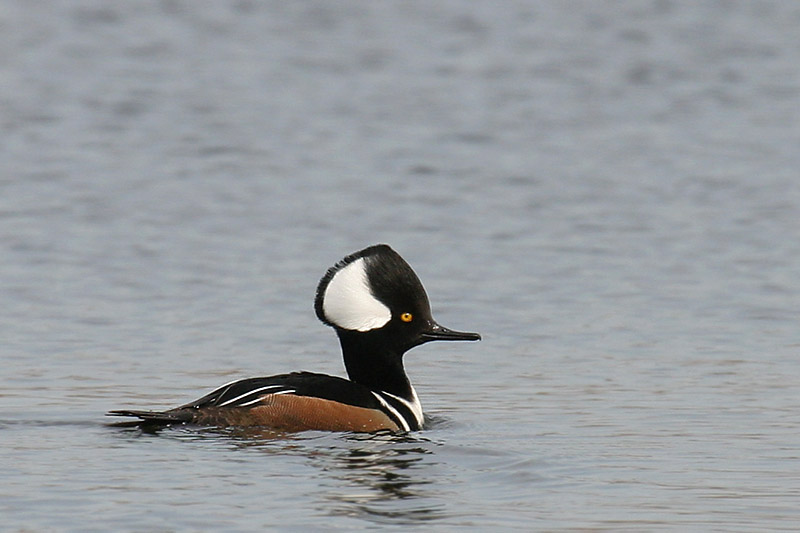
[406, 317]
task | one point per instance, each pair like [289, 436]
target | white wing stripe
[261, 396]
[251, 402]
[248, 393]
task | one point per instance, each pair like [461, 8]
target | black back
[323, 386]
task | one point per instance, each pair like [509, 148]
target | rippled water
[607, 192]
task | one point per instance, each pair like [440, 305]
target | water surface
[607, 192]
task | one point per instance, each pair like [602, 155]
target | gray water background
[608, 191]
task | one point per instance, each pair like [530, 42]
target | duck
[379, 310]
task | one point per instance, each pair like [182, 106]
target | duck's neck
[371, 363]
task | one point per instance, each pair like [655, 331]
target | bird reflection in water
[382, 478]
[378, 477]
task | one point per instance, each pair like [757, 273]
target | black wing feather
[239, 393]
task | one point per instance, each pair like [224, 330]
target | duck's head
[375, 294]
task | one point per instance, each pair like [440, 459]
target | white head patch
[349, 303]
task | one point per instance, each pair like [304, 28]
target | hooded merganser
[379, 309]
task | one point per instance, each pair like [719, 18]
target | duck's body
[379, 309]
[295, 402]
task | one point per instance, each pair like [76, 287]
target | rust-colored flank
[287, 412]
